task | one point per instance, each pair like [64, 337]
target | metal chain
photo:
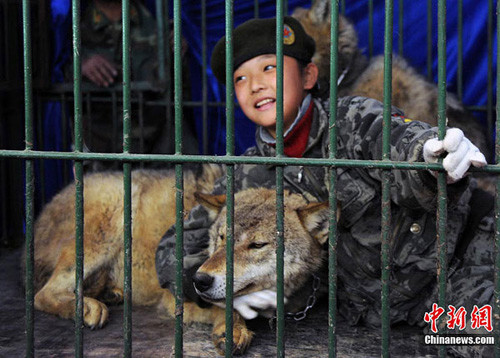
[311, 301]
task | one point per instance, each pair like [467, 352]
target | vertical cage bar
[280, 247]
[30, 180]
[386, 175]
[400, 27]
[489, 101]
[460, 49]
[168, 59]
[127, 196]
[160, 25]
[256, 9]
[332, 232]
[429, 40]
[204, 85]
[79, 200]
[64, 131]
[230, 177]
[442, 194]
[140, 105]
[496, 308]
[179, 182]
[41, 146]
[370, 28]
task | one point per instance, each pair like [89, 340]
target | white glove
[249, 305]
[461, 154]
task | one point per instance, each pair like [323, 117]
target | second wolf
[359, 76]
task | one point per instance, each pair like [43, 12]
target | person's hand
[461, 154]
[99, 70]
[248, 306]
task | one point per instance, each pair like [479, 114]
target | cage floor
[152, 336]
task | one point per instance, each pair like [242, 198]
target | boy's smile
[255, 88]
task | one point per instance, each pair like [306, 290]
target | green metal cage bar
[30, 181]
[370, 28]
[496, 307]
[401, 26]
[489, 99]
[280, 237]
[229, 177]
[204, 83]
[441, 251]
[429, 40]
[332, 224]
[160, 25]
[79, 200]
[386, 177]
[127, 182]
[179, 181]
[460, 50]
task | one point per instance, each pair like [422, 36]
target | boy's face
[255, 88]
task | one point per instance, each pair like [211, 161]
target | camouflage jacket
[103, 36]
[413, 194]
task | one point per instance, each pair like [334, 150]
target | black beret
[258, 37]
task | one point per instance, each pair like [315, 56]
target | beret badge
[288, 35]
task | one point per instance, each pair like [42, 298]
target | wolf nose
[202, 281]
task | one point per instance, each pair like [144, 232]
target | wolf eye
[221, 237]
[257, 245]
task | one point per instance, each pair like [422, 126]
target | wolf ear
[320, 10]
[314, 218]
[213, 203]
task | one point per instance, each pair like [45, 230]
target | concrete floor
[153, 336]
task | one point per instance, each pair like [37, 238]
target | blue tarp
[413, 32]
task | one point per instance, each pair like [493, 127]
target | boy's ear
[310, 74]
[213, 203]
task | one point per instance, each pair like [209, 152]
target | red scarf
[296, 140]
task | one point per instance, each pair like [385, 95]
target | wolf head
[306, 230]
[316, 22]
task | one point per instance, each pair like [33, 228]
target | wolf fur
[153, 212]
[411, 92]
[306, 231]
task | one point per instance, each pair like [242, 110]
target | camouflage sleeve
[195, 244]
[360, 137]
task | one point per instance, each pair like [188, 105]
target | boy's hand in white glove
[461, 154]
[249, 305]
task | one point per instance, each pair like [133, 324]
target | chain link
[311, 301]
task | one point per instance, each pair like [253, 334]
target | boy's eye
[269, 67]
[239, 78]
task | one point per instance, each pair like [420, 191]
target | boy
[359, 123]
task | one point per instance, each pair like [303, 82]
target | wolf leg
[57, 296]
[242, 336]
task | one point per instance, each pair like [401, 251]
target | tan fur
[153, 212]
[306, 230]
[411, 92]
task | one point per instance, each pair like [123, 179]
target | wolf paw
[242, 337]
[113, 296]
[95, 313]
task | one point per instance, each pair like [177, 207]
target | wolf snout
[202, 281]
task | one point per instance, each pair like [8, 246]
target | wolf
[359, 76]
[153, 212]
[306, 228]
